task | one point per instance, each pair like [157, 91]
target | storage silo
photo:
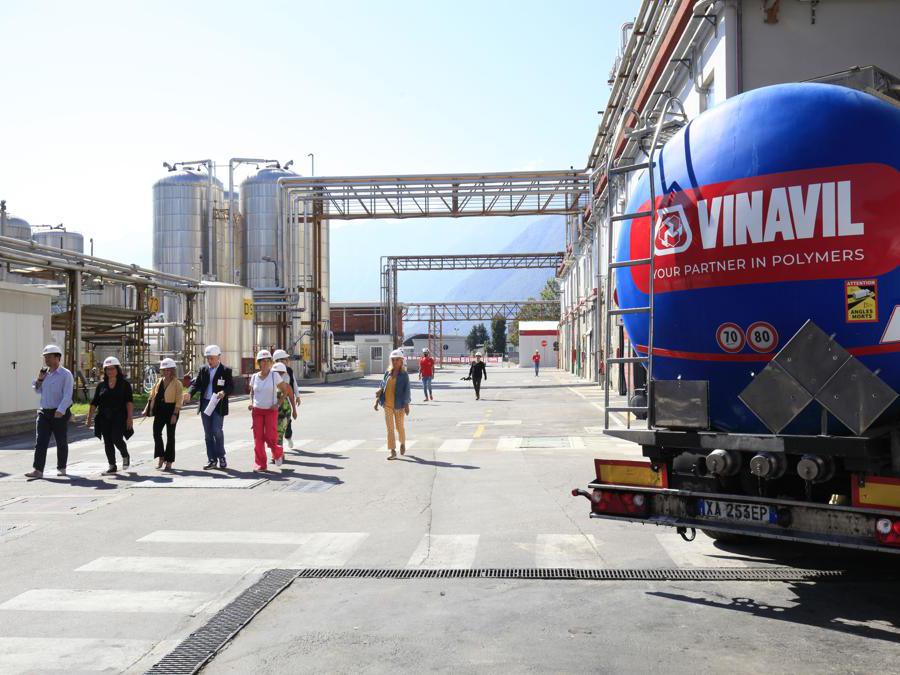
[17, 228]
[226, 312]
[232, 253]
[59, 237]
[263, 238]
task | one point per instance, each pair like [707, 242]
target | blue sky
[96, 95]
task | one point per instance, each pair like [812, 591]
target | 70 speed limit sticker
[730, 337]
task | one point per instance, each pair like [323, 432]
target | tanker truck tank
[775, 207]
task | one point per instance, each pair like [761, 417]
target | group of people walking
[274, 398]
[273, 407]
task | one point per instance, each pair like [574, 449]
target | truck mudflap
[856, 527]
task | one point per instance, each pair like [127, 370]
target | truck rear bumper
[824, 524]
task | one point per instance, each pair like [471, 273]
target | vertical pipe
[231, 223]
[77, 302]
[210, 224]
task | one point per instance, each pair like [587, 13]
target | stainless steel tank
[262, 222]
[17, 228]
[180, 223]
[227, 320]
[59, 238]
[181, 237]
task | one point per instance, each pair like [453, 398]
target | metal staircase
[659, 130]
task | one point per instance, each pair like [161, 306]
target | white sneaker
[290, 443]
[278, 461]
[60, 472]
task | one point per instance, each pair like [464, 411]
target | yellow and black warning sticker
[862, 300]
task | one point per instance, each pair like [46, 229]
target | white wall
[527, 345]
[24, 330]
[846, 33]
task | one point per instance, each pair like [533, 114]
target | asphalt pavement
[112, 573]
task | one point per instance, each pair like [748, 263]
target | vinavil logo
[673, 234]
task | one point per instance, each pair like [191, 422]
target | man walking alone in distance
[537, 361]
[477, 371]
[426, 373]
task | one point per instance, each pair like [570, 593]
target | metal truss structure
[391, 265]
[517, 193]
[469, 311]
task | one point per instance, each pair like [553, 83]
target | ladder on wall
[671, 118]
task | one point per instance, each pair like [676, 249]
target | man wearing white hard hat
[281, 356]
[264, 387]
[164, 406]
[55, 385]
[113, 404]
[214, 381]
[394, 397]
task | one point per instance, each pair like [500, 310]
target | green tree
[478, 336]
[549, 293]
[498, 335]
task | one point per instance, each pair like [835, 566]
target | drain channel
[571, 574]
[201, 646]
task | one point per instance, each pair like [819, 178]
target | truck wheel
[728, 537]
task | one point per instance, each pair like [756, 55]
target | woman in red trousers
[264, 387]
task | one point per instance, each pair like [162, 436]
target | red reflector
[620, 503]
[887, 532]
[896, 527]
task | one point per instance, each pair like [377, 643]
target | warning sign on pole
[762, 337]
[862, 300]
[543, 343]
[730, 337]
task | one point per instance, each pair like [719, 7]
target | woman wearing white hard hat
[286, 407]
[113, 403]
[264, 387]
[281, 356]
[164, 406]
[394, 397]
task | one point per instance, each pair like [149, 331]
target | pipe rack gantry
[390, 265]
[469, 311]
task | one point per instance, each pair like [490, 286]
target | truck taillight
[887, 531]
[619, 503]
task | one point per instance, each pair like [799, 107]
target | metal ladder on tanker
[668, 122]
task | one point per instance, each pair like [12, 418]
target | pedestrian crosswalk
[224, 561]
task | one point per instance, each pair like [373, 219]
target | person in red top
[426, 373]
[537, 361]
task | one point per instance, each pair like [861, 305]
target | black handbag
[128, 433]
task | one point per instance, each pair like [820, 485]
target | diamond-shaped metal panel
[856, 396]
[775, 397]
[811, 357]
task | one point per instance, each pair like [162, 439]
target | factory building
[702, 53]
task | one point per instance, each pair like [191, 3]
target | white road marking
[567, 550]
[326, 549]
[698, 553]
[445, 551]
[114, 600]
[173, 565]
[61, 654]
[384, 447]
[576, 442]
[455, 445]
[225, 537]
[341, 446]
[509, 443]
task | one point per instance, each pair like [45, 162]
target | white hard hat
[397, 354]
[425, 351]
[263, 354]
[280, 354]
[280, 368]
[212, 350]
[52, 349]
[167, 363]
[477, 353]
[111, 361]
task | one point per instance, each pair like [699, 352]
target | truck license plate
[754, 513]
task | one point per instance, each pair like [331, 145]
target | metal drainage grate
[570, 574]
[200, 646]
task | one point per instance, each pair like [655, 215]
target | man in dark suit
[213, 381]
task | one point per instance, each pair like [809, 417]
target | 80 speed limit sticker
[730, 337]
[762, 337]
